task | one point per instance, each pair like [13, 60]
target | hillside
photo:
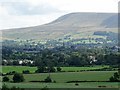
[75, 25]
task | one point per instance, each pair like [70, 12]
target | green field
[62, 78]
[64, 85]
[6, 69]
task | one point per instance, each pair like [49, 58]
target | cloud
[16, 21]
[12, 20]
[24, 13]
[25, 8]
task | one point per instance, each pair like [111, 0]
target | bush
[4, 87]
[48, 79]
[5, 79]
[51, 69]
[26, 71]
[54, 81]
[114, 78]
[11, 73]
[59, 69]
[76, 84]
[111, 79]
[40, 69]
[18, 78]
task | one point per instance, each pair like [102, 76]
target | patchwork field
[67, 79]
[62, 79]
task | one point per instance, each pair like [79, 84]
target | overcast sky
[25, 13]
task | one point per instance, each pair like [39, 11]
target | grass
[83, 68]
[64, 85]
[6, 69]
[64, 77]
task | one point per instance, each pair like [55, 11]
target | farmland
[77, 50]
[80, 68]
[63, 77]
[66, 79]
[65, 85]
[6, 69]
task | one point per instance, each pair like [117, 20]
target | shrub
[18, 78]
[54, 81]
[111, 79]
[114, 78]
[51, 69]
[76, 84]
[4, 87]
[26, 71]
[5, 79]
[59, 69]
[11, 73]
[40, 69]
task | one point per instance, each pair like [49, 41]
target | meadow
[94, 85]
[65, 79]
[6, 69]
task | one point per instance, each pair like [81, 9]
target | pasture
[63, 77]
[6, 69]
[86, 79]
[94, 85]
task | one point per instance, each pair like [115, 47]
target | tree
[59, 69]
[41, 69]
[114, 78]
[111, 79]
[51, 69]
[15, 62]
[5, 79]
[18, 77]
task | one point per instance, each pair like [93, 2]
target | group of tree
[60, 56]
[17, 77]
[44, 69]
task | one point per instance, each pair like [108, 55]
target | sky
[25, 13]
